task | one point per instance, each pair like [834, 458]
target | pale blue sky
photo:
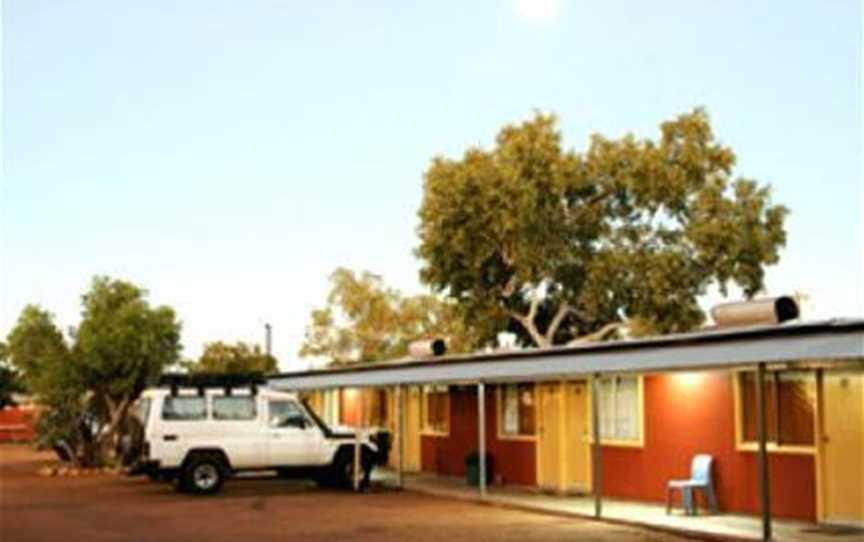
[230, 155]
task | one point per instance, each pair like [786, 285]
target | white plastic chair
[701, 479]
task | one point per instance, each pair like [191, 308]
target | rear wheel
[203, 474]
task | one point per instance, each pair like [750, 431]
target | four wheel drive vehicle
[199, 437]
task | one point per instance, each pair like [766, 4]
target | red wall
[513, 460]
[16, 424]
[694, 413]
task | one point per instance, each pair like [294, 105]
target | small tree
[220, 357]
[571, 246]
[121, 346]
[364, 320]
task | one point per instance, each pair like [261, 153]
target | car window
[234, 408]
[184, 408]
[286, 414]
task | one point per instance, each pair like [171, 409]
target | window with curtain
[620, 409]
[436, 409]
[790, 406]
[517, 413]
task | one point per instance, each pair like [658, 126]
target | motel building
[779, 408]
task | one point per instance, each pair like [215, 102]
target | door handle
[169, 438]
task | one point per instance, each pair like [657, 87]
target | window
[436, 409]
[790, 398]
[287, 414]
[234, 408]
[181, 408]
[516, 410]
[620, 400]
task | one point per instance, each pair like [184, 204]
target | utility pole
[268, 339]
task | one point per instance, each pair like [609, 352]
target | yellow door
[411, 400]
[549, 437]
[843, 447]
[563, 460]
[578, 450]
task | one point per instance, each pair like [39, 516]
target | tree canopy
[365, 320]
[121, 346]
[221, 357]
[572, 245]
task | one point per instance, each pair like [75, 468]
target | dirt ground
[114, 508]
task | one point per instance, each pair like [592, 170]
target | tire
[203, 474]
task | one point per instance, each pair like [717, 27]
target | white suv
[198, 437]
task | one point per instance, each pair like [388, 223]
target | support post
[596, 448]
[357, 440]
[481, 437]
[400, 435]
[761, 428]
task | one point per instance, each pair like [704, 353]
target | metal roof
[836, 339]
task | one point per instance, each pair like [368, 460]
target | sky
[229, 155]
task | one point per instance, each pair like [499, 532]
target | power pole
[268, 339]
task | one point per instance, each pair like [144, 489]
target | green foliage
[564, 244]
[35, 347]
[220, 357]
[121, 346]
[364, 320]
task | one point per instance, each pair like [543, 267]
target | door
[578, 443]
[293, 439]
[563, 454]
[843, 447]
[549, 438]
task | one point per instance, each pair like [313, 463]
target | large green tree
[121, 346]
[220, 357]
[570, 246]
[365, 320]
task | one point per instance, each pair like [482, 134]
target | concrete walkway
[716, 527]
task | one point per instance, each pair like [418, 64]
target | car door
[293, 439]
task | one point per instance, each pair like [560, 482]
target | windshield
[318, 421]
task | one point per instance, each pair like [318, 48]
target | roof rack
[203, 381]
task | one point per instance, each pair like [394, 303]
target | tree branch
[562, 313]
[528, 324]
[599, 334]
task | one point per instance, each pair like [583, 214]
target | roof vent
[769, 310]
[427, 349]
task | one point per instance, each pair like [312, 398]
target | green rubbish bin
[472, 468]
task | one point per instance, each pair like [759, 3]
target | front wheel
[203, 474]
[342, 470]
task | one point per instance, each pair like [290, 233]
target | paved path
[115, 508]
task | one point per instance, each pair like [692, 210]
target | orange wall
[684, 415]
[514, 461]
[690, 414]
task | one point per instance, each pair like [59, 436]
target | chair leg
[712, 499]
[668, 500]
[687, 496]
